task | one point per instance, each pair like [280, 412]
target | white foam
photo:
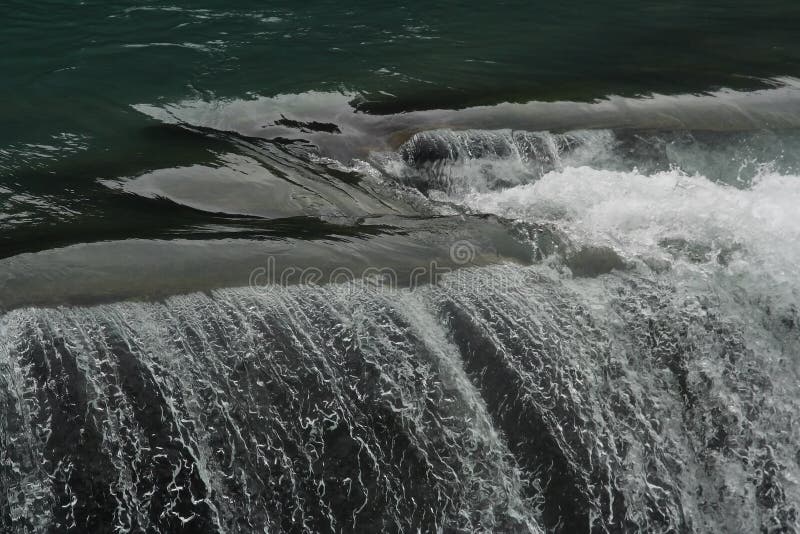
[633, 212]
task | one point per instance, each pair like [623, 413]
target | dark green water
[72, 73]
[603, 198]
[77, 67]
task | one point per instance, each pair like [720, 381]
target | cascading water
[679, 367]
[503, 398]
[297, 409]
[402, 267]
[636, 371]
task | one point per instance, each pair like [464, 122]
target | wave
[358, 133]
[458, 162]
[723, 201]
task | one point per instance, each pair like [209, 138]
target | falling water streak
[505, 398]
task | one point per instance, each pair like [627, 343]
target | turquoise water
[399, 267]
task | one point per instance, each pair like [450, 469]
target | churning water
[212, 318]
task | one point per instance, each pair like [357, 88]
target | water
[516, 267]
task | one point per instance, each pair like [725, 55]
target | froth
[637, 214]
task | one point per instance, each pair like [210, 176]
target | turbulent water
[336, 269]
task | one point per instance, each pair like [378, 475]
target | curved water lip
[403, 253]
[348, 132]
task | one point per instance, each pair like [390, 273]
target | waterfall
[502, 398]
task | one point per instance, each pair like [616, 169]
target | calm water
[602, 199]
